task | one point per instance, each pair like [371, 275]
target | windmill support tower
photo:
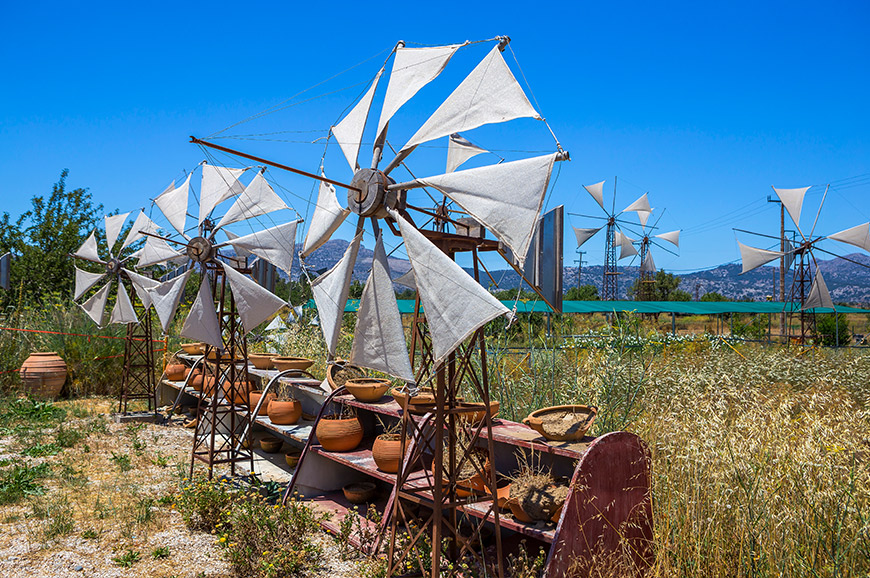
[646, 278]
[137, 379]
[800, 290]
[611, 273]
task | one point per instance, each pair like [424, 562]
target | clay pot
[333, 369]
[478, 416]
[475, 484]
[286, 412]
[337, 434]
[387, 452]
[536, 420]
[44, 374]
[204, 384]
[421, 403]
[519, 514]
[292, 457]
[175, 371]
[367, 389]
[254, 398]
[503, 494]
[359, 492]
[193, 348]
[271, 445]
[285, 363]
[261, 360]
[240, 395]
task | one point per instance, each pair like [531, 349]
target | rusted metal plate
[606, 524]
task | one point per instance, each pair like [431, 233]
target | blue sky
[704, 106]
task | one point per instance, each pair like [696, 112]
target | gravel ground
[105, 503]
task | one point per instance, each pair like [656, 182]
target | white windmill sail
[626, 245]
[407, 280]
[330, 294]
[489, 94]
[257, 199]
[455, 304]
[753, 258]
[274, 245]
[379, 339]
[459, 150]
[88, 250]
[202, 322]
[506, 198]
[255, 303]
[123, 311]
[858, 236]
[84, 281]
[641, 204]
[413, 68]
[165, 298]
[141, 284]
[276, 324]
[643, 217]
[173, 204]
[793, 199]
[584, 235]
[349, 132]
[328, 217]
[819, 295]
[788, 260]
[597, 192]
[114, 223]
[672, 237]
[95, 307]
[141, 225]
[218, 185]
[239, 250]
[648, 265]
[155, 250]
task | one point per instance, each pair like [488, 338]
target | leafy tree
[664, 287]
[829, 327]
[356, 290]
[43, 238]
[679, 295]
[582, 293]
[713, 296]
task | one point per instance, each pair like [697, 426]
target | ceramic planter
[254, 398]
[339, 435]
[261, 360]
[292, 458]
[285, 412]
[240, 395]
[285, 363]
[44, 374]
[476, 417]
[367, 389]
[175, 371]
[192, 348]
[387, 452]
[271, 445]
[359, 492]
[585, 417]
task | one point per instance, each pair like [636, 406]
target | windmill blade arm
[865, 265]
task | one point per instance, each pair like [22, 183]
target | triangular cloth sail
[275, 245]
[455, 304]
[858, 236]
[255, 303]
[413, 68]
[648, 265]
[506, 198]
[328, 216]
[819, 295]
[95, 307]
[379, 338]
[84, 281]
[330, 294]
[218, 185]
[155, 250]
[141, 284]
[257, 199]
[671, 237]
[793, 199]
[123, 311]
[349, 132]
[165, 298]
[584, 235]
[597, 192]
[489, 94]
[173, 204]
[753, 258]
[642, 204]
[460, 150]
[140, 226]
[114, 223]
[88, 250]
[626, 247]
[202, 322]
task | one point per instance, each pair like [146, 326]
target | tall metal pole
[782, 315]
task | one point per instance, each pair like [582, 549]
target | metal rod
[201, 142]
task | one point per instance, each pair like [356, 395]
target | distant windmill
[647, 264]
[808, 286]
[614, 235]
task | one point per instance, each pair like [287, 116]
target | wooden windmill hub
[368, 195]
[113, 266]
[199, 249]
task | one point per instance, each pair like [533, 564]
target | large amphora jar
[44, 374]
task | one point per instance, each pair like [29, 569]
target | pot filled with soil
[367, 389]
[477, 416]
[339, 433]
[562, 423]
[536, 497]
[339, 372]
[387, 452]
[474, 472]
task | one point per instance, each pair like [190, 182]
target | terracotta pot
[292, 457]
[192, 348]
[333, 369]
[271, 445]
[519, 514]
[242, 389]
[175, 371]
[475, 484]
[421, 403]
[44, 374]
[285, 363]
[503, 493]
[536, 420]
[285, 412]
[367, 389]
[204, 384]
[261, 360]
[254, 398]
[387, 452]
[478, 416]
[339, 435]
[359, 492]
